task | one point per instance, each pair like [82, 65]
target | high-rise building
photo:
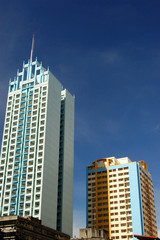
[120, 198]
[36, 165]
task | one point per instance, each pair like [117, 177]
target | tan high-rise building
[120, 198]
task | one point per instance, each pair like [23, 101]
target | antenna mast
[31, 56]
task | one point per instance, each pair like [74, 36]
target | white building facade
[36, 174]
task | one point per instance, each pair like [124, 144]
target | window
[14, 129]
[38, 175]
[41, 141]
[44, 99]
[40, 154]
[29, 176]
[34, 112]
[27, 205]
[36, 90]
[41, 128]
[7, 125]
[35, 101]
[32, 143]
[5, 209]
[7, 194]
[28, 198]
[16, 112]
[41, 134]
[34, 119]
[7, 119]
[36, 212]
[2, 161]
[28, 190]
[123, 219]
[29, 184]
[32, 149]
[35, 95]
[43, 116]
[22, 198]
[35, 107]
[30, 169]
[39, 160]
[30, 162]
[37, 196]
[6, 201]
[27, 213]
[37, 204]
[5, 137]
[33, 136]
[38, 189]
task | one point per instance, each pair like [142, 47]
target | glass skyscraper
[36, 165]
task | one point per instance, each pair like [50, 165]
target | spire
[32, 49]
[30, 63]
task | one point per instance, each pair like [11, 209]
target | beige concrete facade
[149, 214]
[121, 200]
[92, 233]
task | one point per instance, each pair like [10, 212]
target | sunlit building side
[36, 174]
[120, 198]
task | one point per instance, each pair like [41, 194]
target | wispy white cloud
[106, 56]
[157, 127]
[109, 57]
[112, 127]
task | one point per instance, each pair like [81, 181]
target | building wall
[30, 148]
[136, 200]
[120, 202]
[8, 151]
[28, 228]
[51, 154]
[149, 214]
[91, 201]
[34, 157]
[92, 233]
[68, 156]
[115, 200]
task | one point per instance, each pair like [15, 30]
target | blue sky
[107, 53]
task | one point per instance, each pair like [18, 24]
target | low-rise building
[140, 237]
[92, 233]
[28, 228]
